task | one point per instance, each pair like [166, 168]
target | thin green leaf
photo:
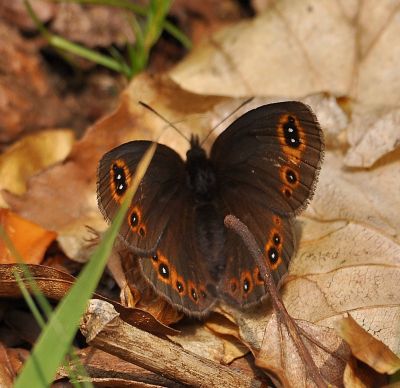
[63, 324]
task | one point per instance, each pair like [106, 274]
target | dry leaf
[293, 49]
[93, 26]
[30, 240]
[6, 371]
[55, 284]
[28, 100]
[16, 14]
[102, 366]
[346, 268]
[198, 339]
[359, 375]
[367, 348]
[371, 136]
[30, 155]
[296, 48]
[278, 354]
[363, 196]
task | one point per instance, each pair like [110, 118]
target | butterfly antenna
[164, 119]
[226, 118]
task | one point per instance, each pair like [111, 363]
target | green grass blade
[63, 324]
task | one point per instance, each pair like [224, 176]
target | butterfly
[263, 169]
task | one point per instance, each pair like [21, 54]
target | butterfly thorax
[201, 178]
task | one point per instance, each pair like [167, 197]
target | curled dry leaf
[360, 375]
[54, 284]
[29, 239]
[366, 347]
[30, 155]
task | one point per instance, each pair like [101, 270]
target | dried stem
[283, 316]
[104, 330]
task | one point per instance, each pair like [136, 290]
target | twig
[104, 330]
[283, 316]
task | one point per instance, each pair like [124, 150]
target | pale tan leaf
[363, 196]
[295, 48]
[371, 136]
[278, 354]
[202, 341]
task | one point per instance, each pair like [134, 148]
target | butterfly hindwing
[241, 283]
[178, 269]
[274, 153]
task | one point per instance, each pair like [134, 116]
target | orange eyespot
[291, 136]
[120, 179]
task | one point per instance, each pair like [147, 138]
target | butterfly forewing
[149, 212]
[273, 153]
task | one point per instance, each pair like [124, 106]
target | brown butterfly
[262, 169]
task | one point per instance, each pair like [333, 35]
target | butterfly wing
[162, 219]
[273, 152]
[241, 283]
[266, 164]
